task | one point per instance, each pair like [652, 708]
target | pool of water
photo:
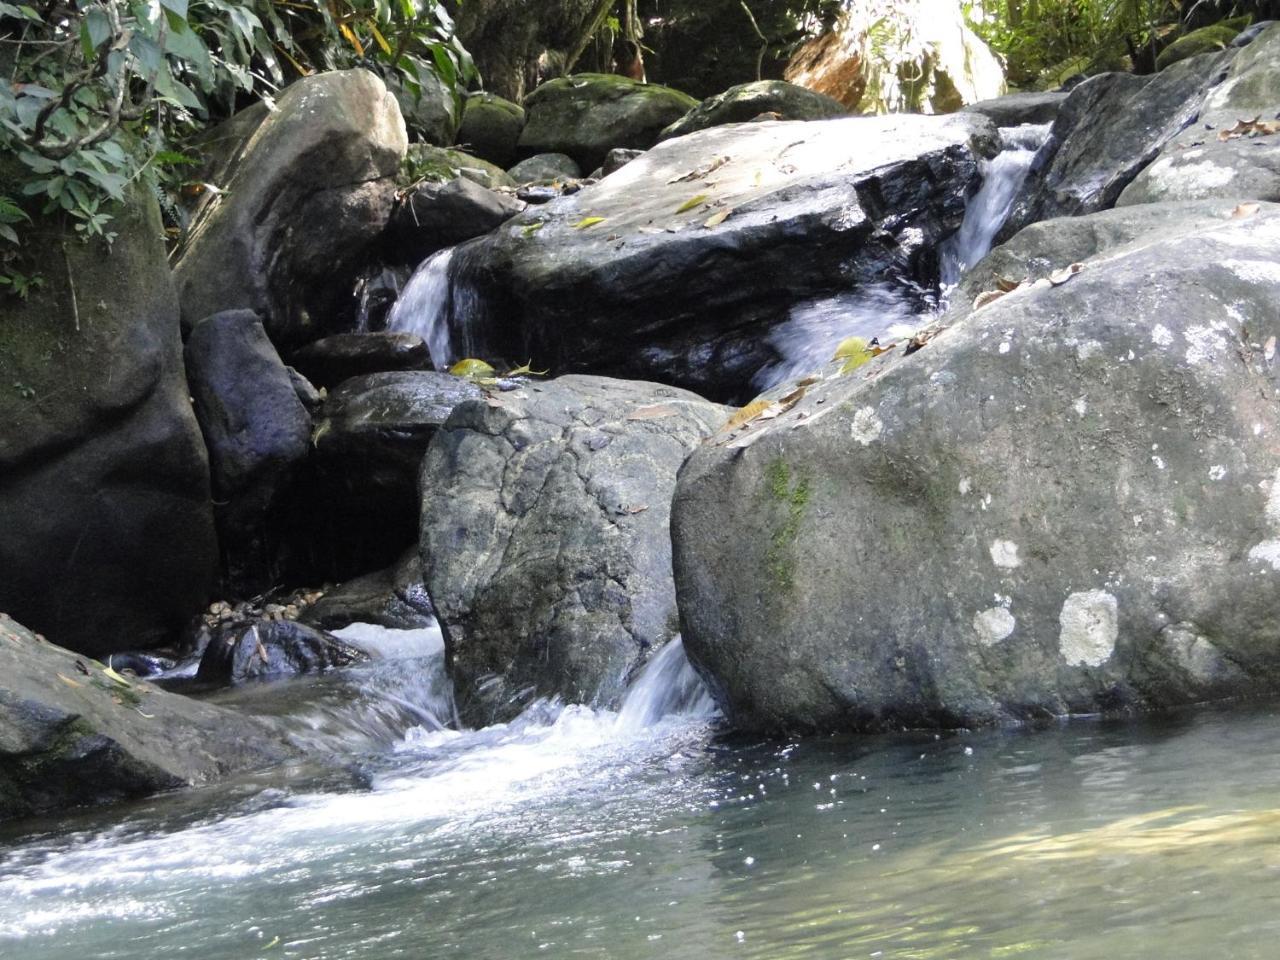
[655, 833]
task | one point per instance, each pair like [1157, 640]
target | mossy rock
[442, 164]
[1208, 39]
[491, 128]
[747, 101]
[589, 114]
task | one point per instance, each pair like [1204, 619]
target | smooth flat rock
[330, 361]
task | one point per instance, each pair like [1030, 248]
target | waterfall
[425, 308]
[668, 686]
[893, 310]
[989, 208]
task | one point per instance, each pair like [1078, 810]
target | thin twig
[764, 41]
[71, 285]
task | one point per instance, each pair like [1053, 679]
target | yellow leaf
[587, 222]
[472, 368]
[352, 38]
[691, 203]
[116, 677]
[852, 347]
[748, 413]
[526, 370]
[533, 228]
[382, 41]
[69, 682]
[718, 218]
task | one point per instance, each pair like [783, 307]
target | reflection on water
[571, 833]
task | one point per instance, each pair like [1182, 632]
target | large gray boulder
[1067, 501]
[1016, 109]
[676, 267]
[257, 432]
[73, 735]
[106, 530]
[777, 99]
[491, 128]
[544, 536]
[434, 215]
[1110, 127]
[1200, 164]
[308, 193]
[589, 114]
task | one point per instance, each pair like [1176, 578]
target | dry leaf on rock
[1257, 127]
[655, 411]
[691, 203]
[1059, 277]
[1242, 210]
[718, 218]
[588, 222]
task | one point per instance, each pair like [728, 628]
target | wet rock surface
[544, 536]
[433, 216]
[1055, 506]
[270, 649]
[72, 734]
[677, 266]
[395, 598]
[329, 362]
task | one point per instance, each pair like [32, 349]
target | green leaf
[8, 233]
[691, 203]
[176, 7]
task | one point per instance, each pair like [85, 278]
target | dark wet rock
[433, 216]
[1017, 109]
[330, 361]
[271, 649]
[616, 159]
[696, 258]
[106, 530]
[395, 598]
[441, 165]
[1067, 501]
[308, 195]
[491, 128]
[1108, 130]
[71, 735]
[359, 510]
[1197, 164]
[1250, 34]
[544, 536]
[747, 101]
[257, 432]
[589, 114]
[305, 390]
[545, 167]
[537, 195]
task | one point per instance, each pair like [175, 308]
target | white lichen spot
[866, 426]
[1004, 346]
[1088, 349]
[1080, 407]
[1255, 271]
[1161, 336]
[1204, 344]
[1257, 429]
[1004, 554]
[993, 625]
[1273, 500]
[1187, 181]
[1268, 551]
[1217, 472]
[1089, 625]
[965, 486]
[1158, 461]
[986, 501]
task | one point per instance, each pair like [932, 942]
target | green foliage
[1045, 41]
[98, 92]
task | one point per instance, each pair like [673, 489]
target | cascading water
[987, 211]
[425, 306]
[892, 310]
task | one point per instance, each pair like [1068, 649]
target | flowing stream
[651, 832]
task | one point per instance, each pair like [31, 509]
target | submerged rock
[271, 649]
[776, 98]
[678, 266]
[1200, 163]
[1109, 128]
[330, 361]
[491, 128]
[589, 114]
[257, 432]
[309, 193]
[106, 530]
[544, 536]
[1067, 501]
[71, 734]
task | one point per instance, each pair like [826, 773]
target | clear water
[424, 308]
[652, 833]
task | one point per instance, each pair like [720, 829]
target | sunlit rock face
[1066, 501]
